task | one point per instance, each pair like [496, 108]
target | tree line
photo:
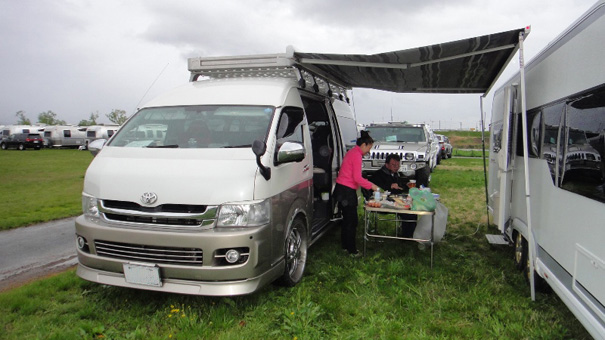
[116, 116]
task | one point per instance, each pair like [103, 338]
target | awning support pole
[484, 158]
[530, 235]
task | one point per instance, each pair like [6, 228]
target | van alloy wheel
[3, 146]
[295, 254]
[21, 147]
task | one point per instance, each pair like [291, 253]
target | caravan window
[570, 136]
[585, 145]
[66, 133]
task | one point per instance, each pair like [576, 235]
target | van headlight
[245, 215]
[90, 206]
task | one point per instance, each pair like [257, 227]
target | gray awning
[465, 66]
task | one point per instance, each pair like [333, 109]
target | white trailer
[8, 130]
[66, 136]
[95, 132]
[546, 168]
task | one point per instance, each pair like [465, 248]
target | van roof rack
[278, 65]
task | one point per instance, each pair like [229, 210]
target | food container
[412, 183]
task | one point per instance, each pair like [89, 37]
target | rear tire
[295, 253]
[540, 284]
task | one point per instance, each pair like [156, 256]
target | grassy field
[39, 186]
[472, 292]
[466, 139]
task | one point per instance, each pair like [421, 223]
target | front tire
[21, 147]
[295, 253]
[3, 146]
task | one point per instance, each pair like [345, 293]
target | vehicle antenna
[149, 88]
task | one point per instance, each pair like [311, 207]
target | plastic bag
[423, 227]
[422, 200]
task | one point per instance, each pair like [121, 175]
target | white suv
[414, 143]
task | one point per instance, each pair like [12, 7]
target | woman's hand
[374, 187]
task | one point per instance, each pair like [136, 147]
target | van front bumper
[208, 288]
[210, 276]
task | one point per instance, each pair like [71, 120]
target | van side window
[584, 165]
[535, 133]
[66, 133]
[290, 124]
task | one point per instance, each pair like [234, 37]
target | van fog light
[82, 243]
[232, 256]
[413, 166]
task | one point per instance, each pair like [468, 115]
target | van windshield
[407, 134]
[195, 127]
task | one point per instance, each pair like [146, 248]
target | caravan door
[501, 155]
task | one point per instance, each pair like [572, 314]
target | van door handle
[306, 168]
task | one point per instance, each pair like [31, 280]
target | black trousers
[347, 202]
[408, 225]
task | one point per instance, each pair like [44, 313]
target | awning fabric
[464, 66]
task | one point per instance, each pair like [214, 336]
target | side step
[496, 239]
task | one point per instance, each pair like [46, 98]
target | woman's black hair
[365, 138]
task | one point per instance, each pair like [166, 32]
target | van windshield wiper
[163, 146]
[237, 146]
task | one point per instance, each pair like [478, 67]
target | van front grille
[152, 254]
[165, 215]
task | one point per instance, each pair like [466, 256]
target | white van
[215, 188]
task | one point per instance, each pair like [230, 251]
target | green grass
[39, 186]
[470, 153]
[472, 292]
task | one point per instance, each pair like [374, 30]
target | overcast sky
[77, 57]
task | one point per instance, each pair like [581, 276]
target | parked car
[445, 148]
[22, 141]
[413, 143]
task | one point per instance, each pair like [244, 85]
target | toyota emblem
[149, 198]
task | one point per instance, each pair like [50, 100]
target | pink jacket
[350, 172]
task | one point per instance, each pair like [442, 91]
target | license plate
[142, 274]
[403, 168]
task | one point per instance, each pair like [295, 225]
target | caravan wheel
[295, 254]
[520, 251]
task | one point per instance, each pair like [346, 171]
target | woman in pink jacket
[348, 181]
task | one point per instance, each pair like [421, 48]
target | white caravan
[546, 168]
[95, 132]
[64, 136]
[8, 130]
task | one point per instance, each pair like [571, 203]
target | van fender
[298, 209]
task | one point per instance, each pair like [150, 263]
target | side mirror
[290, 152]
[259, 148]
[96, 145]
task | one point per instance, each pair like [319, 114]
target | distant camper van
[8, 130]
[216, 188]
[547, 172]
[95, 132]
[64, 136]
